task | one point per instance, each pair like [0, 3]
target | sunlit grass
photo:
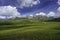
[30, 30]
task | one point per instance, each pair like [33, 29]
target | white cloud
[41, 13]
[37, 14]
[20, 3]
[8, 11]
[2, 17]
[31, 15]
[58, 9]
[58, 2]
[28, 3]
[51, 14]
[58, 13]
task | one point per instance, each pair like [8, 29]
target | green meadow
[29, 30]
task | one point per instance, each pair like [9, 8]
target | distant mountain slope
[55, 19]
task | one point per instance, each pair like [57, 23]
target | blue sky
[27, 7]
[44, 6]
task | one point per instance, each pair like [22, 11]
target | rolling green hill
[29, 30]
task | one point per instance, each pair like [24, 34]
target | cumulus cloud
[2, 17]
[37, 14]
[31, 15]
[58, 9]
[51, 14]
[20, 3]
[8, 11]
[58, 2]
[41, 13]
[28, 3]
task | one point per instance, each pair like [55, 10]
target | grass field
[29, 30]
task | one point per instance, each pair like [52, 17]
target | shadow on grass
[57, 28]
[57, 32]
[6, 27]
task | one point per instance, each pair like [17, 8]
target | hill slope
[30, 30]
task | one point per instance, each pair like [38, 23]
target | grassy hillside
[29, 30]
